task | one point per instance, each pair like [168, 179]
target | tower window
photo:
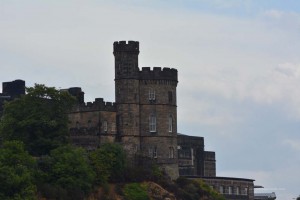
[170, 124]
[152, 123]
[171, 152]
[153, 152]
[170, 95]
[89, 124]
[105, 126]
[113, 126]
[77, 125]
[151, 94]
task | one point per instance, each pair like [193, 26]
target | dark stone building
[10, 91]
[144, 117]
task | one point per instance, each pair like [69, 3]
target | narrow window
[113, 126]
[151, 94]
[170, 124]
[105, 126]
[152, 123]
[170, 94]
[150, 152]
[155, 152]
[171, 152]
[221, 189]
[77, 125]
[89, 124]
[237, 191]
[246, 191]
[229, 190]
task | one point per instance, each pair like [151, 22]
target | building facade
[144, 117]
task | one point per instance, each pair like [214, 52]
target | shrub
[135, 191]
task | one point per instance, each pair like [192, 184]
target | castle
[144, 121]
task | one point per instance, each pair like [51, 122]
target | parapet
[131, 46]
[98, 105]
[77, 93]
[14, 88]
[209, 155]
[158, 73]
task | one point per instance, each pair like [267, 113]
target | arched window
[152, 123]
[170, 123]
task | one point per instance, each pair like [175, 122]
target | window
[221, 190]
[113, 126]
[170, 124]
[237, 191]
[89, 124]
[171, 152]
[152, 123]
[151, 94]
[229, 190]
[77, 125]
[246, 191]
[170, 95]
[105, 126]
[153, 152]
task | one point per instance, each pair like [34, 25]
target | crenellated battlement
[131, 46]
[158, 73]
[97, 105]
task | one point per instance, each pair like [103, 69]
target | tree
[39, 119]
[108, 162]
[67, 168]
[16, 172]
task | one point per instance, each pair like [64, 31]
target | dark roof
[219, 178]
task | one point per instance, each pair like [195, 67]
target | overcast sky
[238, 63]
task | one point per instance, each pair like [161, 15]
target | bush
[108, 163]
[135, 191]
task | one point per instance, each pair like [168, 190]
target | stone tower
[127, 95]
[158, 110]
[146, 109]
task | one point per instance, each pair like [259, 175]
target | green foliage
[213, 193]
[194, 189]
[38, 119]
[108, 162]
[135, 191]
[66, 168]
[16, 172]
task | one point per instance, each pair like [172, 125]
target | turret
[126, 59]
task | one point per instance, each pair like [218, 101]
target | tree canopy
[109, 163]
[67, 167]
[38, 119]
[16, 172]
